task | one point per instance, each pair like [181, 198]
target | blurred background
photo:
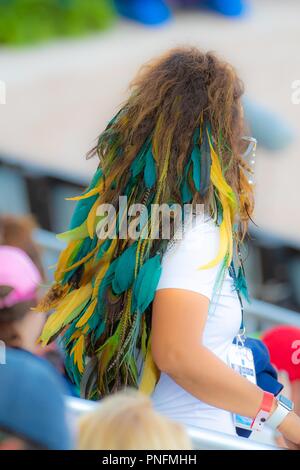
[65, 66]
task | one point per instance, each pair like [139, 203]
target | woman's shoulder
[181, 266]
[198, 242]
[198, 229]
[201, 224]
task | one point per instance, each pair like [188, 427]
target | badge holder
[240, 359]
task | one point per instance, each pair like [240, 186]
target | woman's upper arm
[183, 294]
[178, 320]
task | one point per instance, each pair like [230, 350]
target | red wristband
[263, 412]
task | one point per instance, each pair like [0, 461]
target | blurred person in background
[20, 326]
[180, 137]
[128, 421]
[283, 343]
[32, 409]
[20, 280]
[18, 231]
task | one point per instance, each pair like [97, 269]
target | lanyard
[241, 335]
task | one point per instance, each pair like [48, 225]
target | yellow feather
[104, 265]
[223, 248]
[92, 192]
[150, 373]
[218, 179]
[78, 350]
[63, 260]
[228, 202]
[85, 329]
[77, 233]
[228, 225]
[62, 305]
[91, 219]
[75, 335]
[82, 260]
[68, 310]
[89, 312]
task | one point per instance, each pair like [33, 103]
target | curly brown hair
[169, 97]
[182, 104]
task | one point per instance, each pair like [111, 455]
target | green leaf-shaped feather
[196, 159]
[241, 284]
[124, 272]
[186, 193]
[138, 163]
[150, 170]
[145, 284]
[97, 318]
[84, 206]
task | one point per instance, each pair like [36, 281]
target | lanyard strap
[234, 277]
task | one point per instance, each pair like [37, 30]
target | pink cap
[18, 271]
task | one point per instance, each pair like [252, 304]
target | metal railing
[260, 315]
[202, 439]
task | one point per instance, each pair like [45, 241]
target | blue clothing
[266, 375]
[32, 400]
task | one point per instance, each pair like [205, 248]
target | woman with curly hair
[144, 310]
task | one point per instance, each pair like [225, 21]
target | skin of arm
[178, 321]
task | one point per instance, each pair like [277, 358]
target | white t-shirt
[180, 265]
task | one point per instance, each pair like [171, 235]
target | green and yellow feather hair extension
[104, 288]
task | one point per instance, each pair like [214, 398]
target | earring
[249, 157]
[252, 164]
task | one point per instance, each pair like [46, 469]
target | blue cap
[32, 400]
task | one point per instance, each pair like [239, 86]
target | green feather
[133, 369]
[241, 284]
[86, 246]
[145, 284]
[150, 170]
[81, 211]
[137, 166]
[100, 329]
[103, 248]
[97, 319]
[186, 193]
[68, 333]
[124, 272]
[196, 159]
[71, 368]
[219, 214]
[84, 206]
